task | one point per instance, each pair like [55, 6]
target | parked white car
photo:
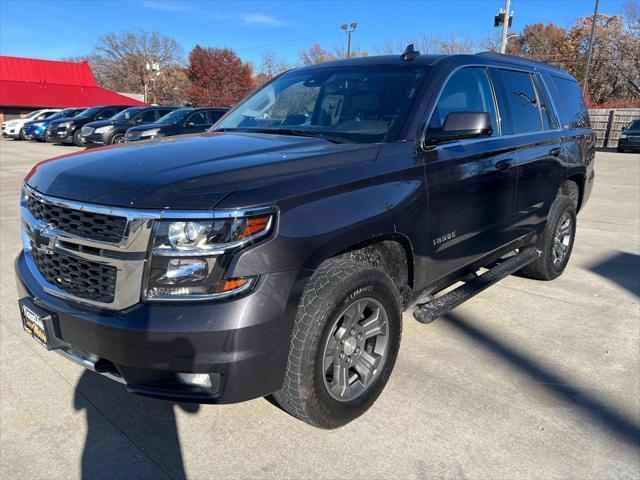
[13, 128]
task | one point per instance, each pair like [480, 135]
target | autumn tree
[218, 77]
[315, 54]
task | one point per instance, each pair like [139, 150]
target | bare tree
[121, 63]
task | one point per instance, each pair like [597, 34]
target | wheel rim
[119, 139]
[562, 239]
[356, 349]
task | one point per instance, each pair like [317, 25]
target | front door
[472, 183]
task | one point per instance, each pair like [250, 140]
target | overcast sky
[58, 28]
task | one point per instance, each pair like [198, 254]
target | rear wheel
[556, 241]
[344, 344]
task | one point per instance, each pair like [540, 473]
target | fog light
[195, 379]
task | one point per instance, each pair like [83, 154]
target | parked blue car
[37, 130]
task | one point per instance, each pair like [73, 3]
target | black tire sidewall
[323, 408]
[564, 204]
[114, 137]
[76, 139]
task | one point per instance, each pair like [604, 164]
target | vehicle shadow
[116, 419]
[588, 405]
[623, 269]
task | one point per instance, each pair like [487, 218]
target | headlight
[623, 136]
[152, 132]
[38, 124]
[65, 124]
[103, 129]
[190, 258]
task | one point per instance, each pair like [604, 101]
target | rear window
[571, 108]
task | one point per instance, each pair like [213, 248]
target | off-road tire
[544, 267]
[336, 283]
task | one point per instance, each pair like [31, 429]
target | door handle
[554, 152]
[503, 165]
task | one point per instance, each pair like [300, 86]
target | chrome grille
[95, 226]
[81, 278]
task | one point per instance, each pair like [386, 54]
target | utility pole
[505, 26]
[349, 29]
[590, 51]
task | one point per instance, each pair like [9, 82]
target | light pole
[504, 18]
[349, 29]
[155, 69]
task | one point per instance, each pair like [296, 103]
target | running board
[439, 306]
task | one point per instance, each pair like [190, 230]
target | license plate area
[36, 323]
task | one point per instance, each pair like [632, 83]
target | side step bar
[439, 306]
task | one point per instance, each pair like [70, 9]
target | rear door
[471, 183]
[530, 119]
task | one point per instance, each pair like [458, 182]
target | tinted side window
[198, 118]
[148, 116]
[214, 116]
[519, 101]
[548, 117]
[468, 90]
[107, 113]
[572, 110]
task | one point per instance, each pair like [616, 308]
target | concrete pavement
[527, 380]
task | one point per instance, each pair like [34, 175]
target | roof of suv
[428, 59]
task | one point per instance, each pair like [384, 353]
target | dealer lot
[527, 380]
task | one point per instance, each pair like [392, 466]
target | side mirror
[460, 126]
[624, 128]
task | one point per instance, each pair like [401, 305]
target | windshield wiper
[287, 131]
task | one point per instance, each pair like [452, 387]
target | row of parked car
[110, 124]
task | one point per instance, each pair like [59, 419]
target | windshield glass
[361, 104]
[635, 125]
[175, 116]
[60, 114]
[32, 114]
[127, 114]
[89, 112]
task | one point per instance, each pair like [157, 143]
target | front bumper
[63, 135]
[242, 343]
[628, 144]
[97, 139]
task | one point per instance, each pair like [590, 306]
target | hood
[147, 126]
[102, 123]
[60, 120]
[192, 172]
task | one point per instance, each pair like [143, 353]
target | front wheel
[344, 344]
[78, 140]
[117, 139]
[555, 242]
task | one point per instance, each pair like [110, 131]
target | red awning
[31, 94]
[30, 82]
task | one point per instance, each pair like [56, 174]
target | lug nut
[341, 356]
[359, 336]
[353, 331]
[357, 350]
[348, 359]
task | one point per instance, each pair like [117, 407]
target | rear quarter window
[519, 103]
[571, 108]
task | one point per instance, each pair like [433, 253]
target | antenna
[410, 53]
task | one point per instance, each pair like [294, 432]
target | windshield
[127, 114]
[635, 125]
[359, 104]
[32, 114]
[174, 117]
[89, 112]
